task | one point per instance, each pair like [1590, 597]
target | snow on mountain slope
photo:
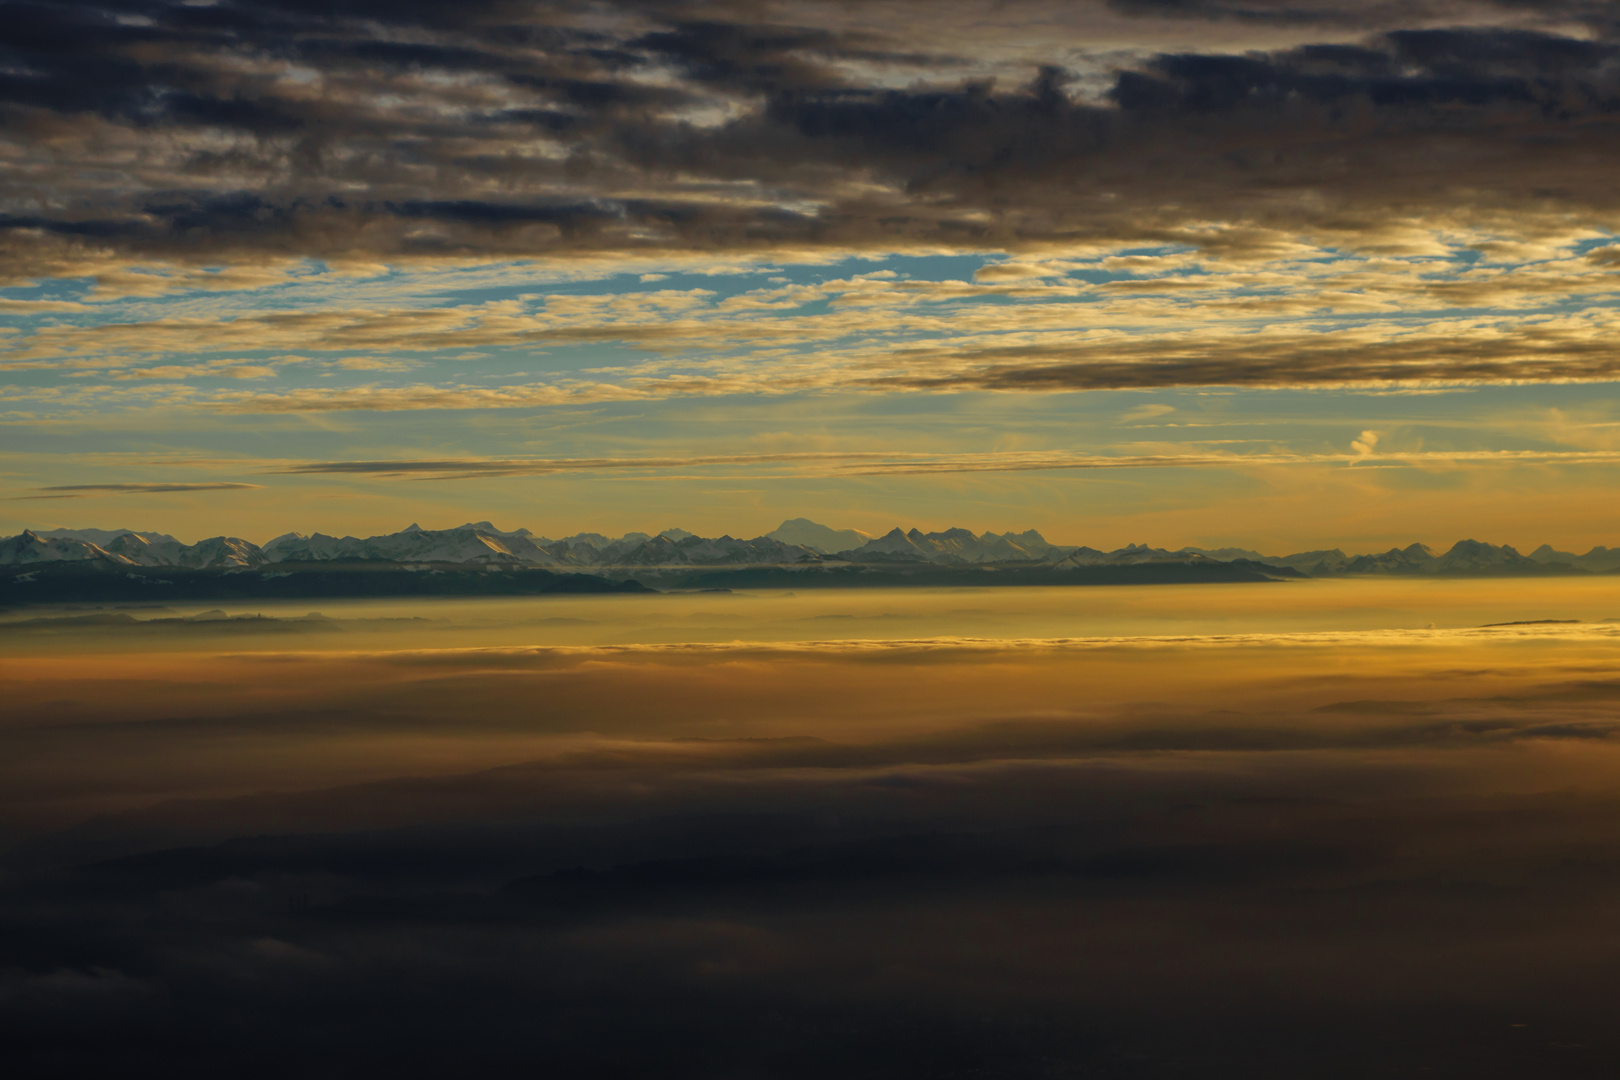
[30, 547]
[1028, 545]
[133, 549]
[955, 547]
[1412, 559]
[145, 552]
[1227, 554]
[296, 547]
[411, 545]
[721, 551]
[1129, 555]
[588, 549]
[892, 545]
[1083, 556]
[488, 529]
[659, 551]
[102, 537]
[227, 552]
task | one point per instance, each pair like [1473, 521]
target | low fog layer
[1294, 852]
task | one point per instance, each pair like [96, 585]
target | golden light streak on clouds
[881, 464]
[790, 683]
[1362, 455]
[1250, 325]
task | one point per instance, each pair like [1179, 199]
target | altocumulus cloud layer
[393, 129]
[1162, 194]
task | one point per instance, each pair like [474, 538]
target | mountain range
[796, 543]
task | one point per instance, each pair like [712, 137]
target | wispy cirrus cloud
[885, 464]
[86, 491]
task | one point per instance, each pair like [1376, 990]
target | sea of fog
[1316, 606]
[1327, 828]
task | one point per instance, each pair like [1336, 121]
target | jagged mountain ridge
[103, 536]
[694, 550]
[957, 547]
[1599, 560]
[468, 544]
[30, 547]
[483, 544]
[1471, 558]
[131, 550]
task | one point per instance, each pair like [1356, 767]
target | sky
[1286, 275]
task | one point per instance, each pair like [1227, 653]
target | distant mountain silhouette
[96, 563]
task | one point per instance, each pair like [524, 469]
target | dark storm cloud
[1288, 11]
[1413, 69]
[1366, 14]
[385, 129]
